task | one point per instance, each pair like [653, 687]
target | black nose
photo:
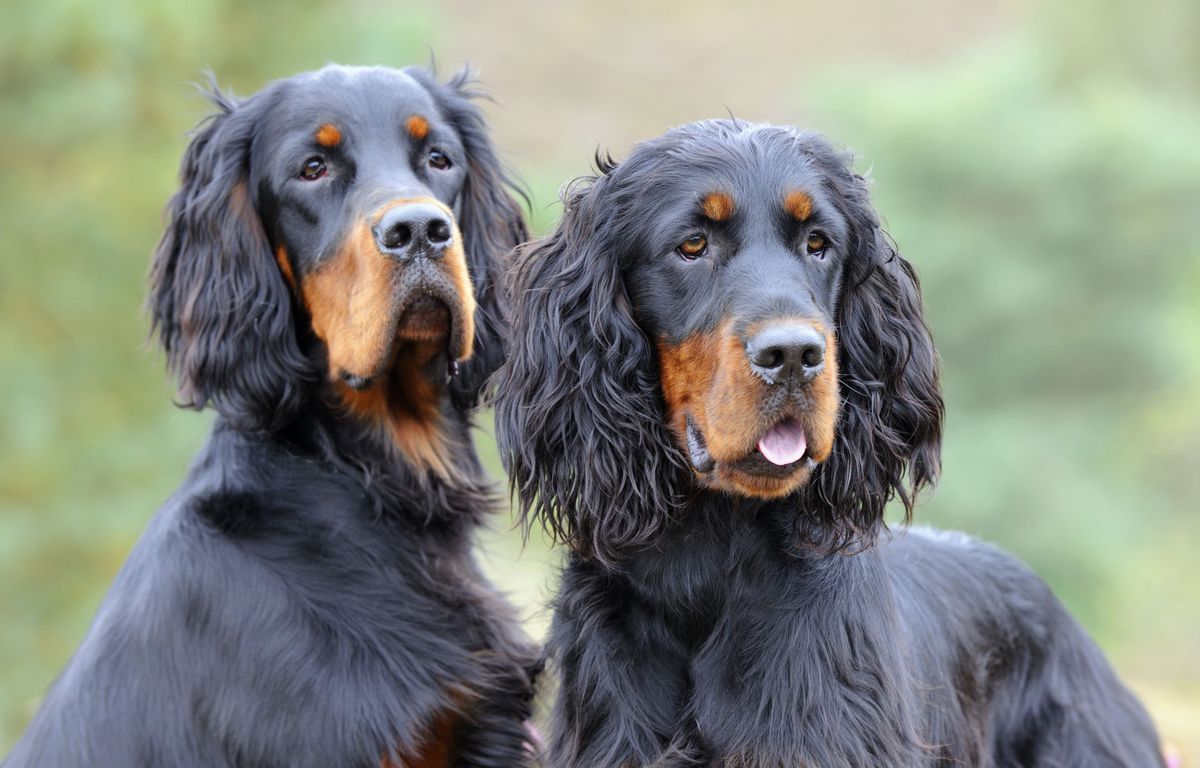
[416, 229]
[791, 353]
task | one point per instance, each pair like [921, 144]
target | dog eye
[817, 245]
[314, 168]
[438, 160]
[692, 248]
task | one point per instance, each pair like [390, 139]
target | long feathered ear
[492, 224]
[888, 440]
[218, 301]
[577, 411]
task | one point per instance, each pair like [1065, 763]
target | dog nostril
[439, 232]
[812, 356]
[397, 236]
[769, 358]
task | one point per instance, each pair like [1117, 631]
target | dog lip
[758, 465]
[427, 288]
[356, 382]
[701, 460]
[424, 313]
[428, 314]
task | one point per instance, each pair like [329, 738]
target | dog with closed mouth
[329, 284]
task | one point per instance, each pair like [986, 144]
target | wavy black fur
[575, 429]
[307, 597]
[695, 627]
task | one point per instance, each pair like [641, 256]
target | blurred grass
[1046, 184]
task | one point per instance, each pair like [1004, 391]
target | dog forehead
[357, 99]
[722, 176]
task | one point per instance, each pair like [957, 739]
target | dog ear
[491, 222]
[889, 436]
[217, 300]
[578, 412]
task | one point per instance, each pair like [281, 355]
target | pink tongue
[784, 444]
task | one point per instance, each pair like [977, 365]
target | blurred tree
[1150, 45]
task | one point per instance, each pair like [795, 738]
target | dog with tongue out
[719, 374]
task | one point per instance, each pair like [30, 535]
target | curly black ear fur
[888, 440]
[576, 398]
[492, 224]
[218, 302]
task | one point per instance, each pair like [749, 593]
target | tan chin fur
[351, 300]
[708, 377]
[406, 408]
[728, 479]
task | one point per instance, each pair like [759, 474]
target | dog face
[339, 231]
[720, 312]
[358, 175]
[735, 277]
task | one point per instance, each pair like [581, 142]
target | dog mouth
[426, 318]
[430, 316]
[780, 452]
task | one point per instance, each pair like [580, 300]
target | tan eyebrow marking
[799, 204]
[328, 135]
[718, 206]
[418, 127]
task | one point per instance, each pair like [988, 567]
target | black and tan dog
[328, 283]
[719, 375]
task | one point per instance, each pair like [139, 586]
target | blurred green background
[1038, 161]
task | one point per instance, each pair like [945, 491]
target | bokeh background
[1038, 160]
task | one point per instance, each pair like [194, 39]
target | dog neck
[403, 439]
[408, 413]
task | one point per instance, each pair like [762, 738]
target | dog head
[719, 313]
[340, 231]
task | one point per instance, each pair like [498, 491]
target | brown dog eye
[314, 168]
[439, 160]
[817, 244]
[693, 248]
